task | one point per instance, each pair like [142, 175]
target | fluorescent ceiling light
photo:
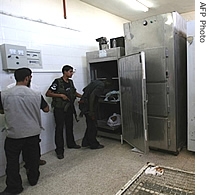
[136, 5]
[144, 7]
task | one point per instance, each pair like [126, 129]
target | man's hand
[64, 97]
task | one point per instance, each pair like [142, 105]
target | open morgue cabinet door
[133, 100]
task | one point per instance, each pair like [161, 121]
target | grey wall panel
[191, 84]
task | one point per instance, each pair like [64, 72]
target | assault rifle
[71, 105]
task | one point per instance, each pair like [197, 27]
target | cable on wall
[39, 21]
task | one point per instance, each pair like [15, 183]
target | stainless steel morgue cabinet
[163, 39]
[102, 64]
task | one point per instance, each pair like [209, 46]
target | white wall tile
[58, 46]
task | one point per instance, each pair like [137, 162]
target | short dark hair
[21, 73]
[66, 68]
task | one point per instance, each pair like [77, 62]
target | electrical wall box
[34, 58]
[13, 56]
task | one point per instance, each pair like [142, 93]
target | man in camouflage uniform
[63, 95]
[88, 106]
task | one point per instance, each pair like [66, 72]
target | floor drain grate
[173, 181]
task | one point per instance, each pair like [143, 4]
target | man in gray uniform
[21, 106]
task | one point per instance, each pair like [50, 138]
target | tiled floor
[97, 172]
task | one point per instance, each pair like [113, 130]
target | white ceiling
[119, 8]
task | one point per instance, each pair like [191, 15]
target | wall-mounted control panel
[16, 56]
[13, 56]
[34, 58]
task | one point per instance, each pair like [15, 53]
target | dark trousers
[89, 138]
[13, 148]
[63, 118]
[26, 155]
